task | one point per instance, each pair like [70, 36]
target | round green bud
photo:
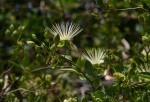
[48, 77]
[31, 43]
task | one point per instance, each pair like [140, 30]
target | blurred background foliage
[29, 74]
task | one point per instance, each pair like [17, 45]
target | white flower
[95, 56]
[65, 30]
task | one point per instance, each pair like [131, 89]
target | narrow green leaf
[68, 57]
[70, 70]
[89, 68]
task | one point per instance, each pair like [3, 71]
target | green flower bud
[7, 33]
[11, 27]
[48, 78]
[1, 81]
[37, 48]
[34, 37]
[61, 44]
[43, 45]
[145, 40]
[46, 33]
[14, 33]
[119, 76]
[20, 43]
[38, 56]
[21, 28]
[31, 43]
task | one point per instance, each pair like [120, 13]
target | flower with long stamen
[65, 30]
[94, 56]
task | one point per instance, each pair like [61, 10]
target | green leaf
[99, 94]
[80, 63]
[61, 44]
[89, 68]
[145, 73]
[30, 43]
[68, 57]
[47, 33]
[69, 44]
[14, 63]
[70, 70]
[56, 38]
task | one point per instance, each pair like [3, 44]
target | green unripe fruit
[31, 43]
[48, 78]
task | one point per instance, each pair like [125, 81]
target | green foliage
[37, 65]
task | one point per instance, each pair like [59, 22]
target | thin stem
[147, 57]
[47, 67]
[6, 71]
[42, 68]
[81, 72]
[142, 8]
[20, 89]
[124, 9]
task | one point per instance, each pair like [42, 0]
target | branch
[124, 9]
[80, 72]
